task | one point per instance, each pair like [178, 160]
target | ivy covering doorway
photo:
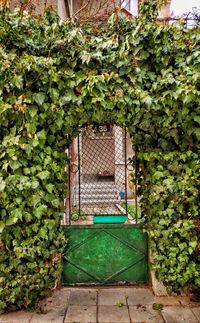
[57, 78]
[106, 244]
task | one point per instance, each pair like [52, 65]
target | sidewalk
[109, 305]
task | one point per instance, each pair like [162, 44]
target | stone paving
[108, 305]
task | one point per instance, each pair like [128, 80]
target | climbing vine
[55, 78]
[170, 203]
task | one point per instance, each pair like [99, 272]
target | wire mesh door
[98, 175]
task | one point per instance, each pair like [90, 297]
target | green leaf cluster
[170, 204]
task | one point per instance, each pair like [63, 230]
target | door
[106, 244]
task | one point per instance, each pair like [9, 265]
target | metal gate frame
[102, 254]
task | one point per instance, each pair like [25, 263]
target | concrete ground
[109, 305]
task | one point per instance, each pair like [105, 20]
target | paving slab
[196, 311]
[112, 296]
[81, 314]
[80, 305]
[175, 314]
[83, 297]
[54, 307]
[16, 317]
[51, 316]
[58, 300]
[139, 296]
[144, 314]
[108, 314]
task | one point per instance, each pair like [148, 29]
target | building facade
[95, 9]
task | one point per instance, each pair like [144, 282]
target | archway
[57, 79]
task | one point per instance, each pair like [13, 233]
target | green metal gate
[106, 244]
[105, 254]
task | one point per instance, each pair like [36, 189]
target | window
[131, 5]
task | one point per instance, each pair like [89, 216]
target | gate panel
[105, 254]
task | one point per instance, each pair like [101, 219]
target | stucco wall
[93, 7]
[36, 7]
[165, 11]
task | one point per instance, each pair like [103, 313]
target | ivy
[56, 78]
[170, 203]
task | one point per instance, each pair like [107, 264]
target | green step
[109, 219]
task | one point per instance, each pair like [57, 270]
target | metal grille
[101, 178]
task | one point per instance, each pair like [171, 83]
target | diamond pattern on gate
[92, 262]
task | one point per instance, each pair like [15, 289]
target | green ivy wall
[56, 78]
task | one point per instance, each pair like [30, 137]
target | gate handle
[129, 164]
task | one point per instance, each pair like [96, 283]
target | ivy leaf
[39, 211]
[39, 97]
[55, 203]
[147, 100]
[17, 81]
[15, 164]
[54, 94]
[2, 226]
[65, 99]
[44, 174]
[50, 188]
[42, 134]
[35, 184]
[31, 127]
[32, 110]
[196, 131]
[43, 233]
[193, 244]
[35, 142]
[15, 215]
[35, 199]
[197, 119]
[85, 57]
[4, 107]
[2, 184]
[72, 33]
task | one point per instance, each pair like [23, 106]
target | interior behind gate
[102, 177]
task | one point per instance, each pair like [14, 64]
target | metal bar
[79, 177]
[68, 197]
[125, 153]
[74, 247]
[102, 226]
[136, 201]
[69, 185]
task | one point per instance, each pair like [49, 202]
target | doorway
[106, 243]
